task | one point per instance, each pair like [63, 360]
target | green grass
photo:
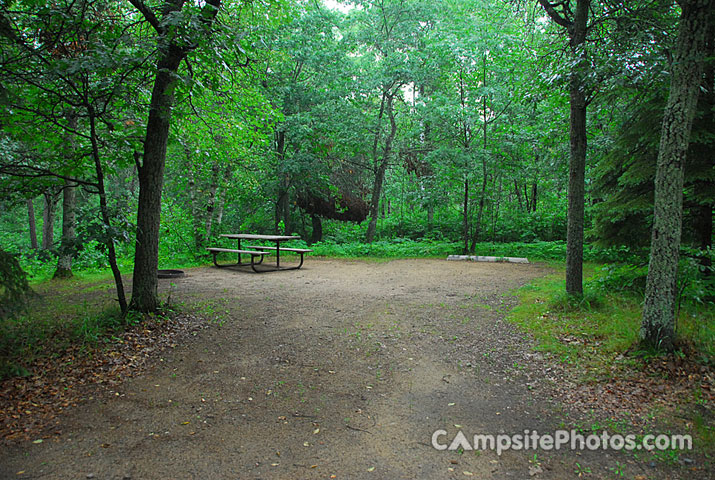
[597, 336]
[48, 332]
[596, 328]
[406, 248]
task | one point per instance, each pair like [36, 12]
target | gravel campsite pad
[343, 369]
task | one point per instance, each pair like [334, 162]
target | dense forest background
[404, 127]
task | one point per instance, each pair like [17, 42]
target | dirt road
[343, 369]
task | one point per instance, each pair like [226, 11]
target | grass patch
[78, 314]
[585, 331]
[604, 321]
[45, 334]
[597, 336]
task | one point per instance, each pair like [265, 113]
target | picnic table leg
[253, 264]
[239, 255]
[278, 254]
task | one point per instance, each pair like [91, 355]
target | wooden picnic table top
[269, 238]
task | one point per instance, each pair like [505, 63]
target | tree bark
[480, 212]
[577, 157]
[32, 223]
[317, 233]
[658, 325]
[69, 203]
[283, 208]
[145, 295]
[67, 247]
[48, 220]
[577, 27]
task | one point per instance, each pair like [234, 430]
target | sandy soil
[342, 369]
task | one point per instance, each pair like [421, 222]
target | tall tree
[67, 245]
[31, 222]
[695, 29]
[388, 36]
[174, 44]
[576, 25]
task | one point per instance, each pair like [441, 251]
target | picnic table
[259, 251]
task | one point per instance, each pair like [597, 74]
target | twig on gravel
[357, 429]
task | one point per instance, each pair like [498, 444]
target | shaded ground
[342, 369]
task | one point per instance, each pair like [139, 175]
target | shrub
[13, 285]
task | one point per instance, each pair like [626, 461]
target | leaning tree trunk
[104, 211]
[381, 165]
[67, 246]
[658, 326]
[145, 295]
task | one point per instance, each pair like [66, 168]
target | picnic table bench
[260, 251]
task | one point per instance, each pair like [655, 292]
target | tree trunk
[534, 187]
[317, 233]
[145, 295]
[577, 158]
[285, 210]
[219, 208]
[69, 202]
[32, 223]
[283, 201]
[48, 220]
[577, 29]
[193, 201]
[658, 326]
[375, 201]
[704, 231]
[480, 212]
[211, 202]
[381, 164]
[104, 210]
[222, 196]
[517, 190]
[67, 247]
[465, 216]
